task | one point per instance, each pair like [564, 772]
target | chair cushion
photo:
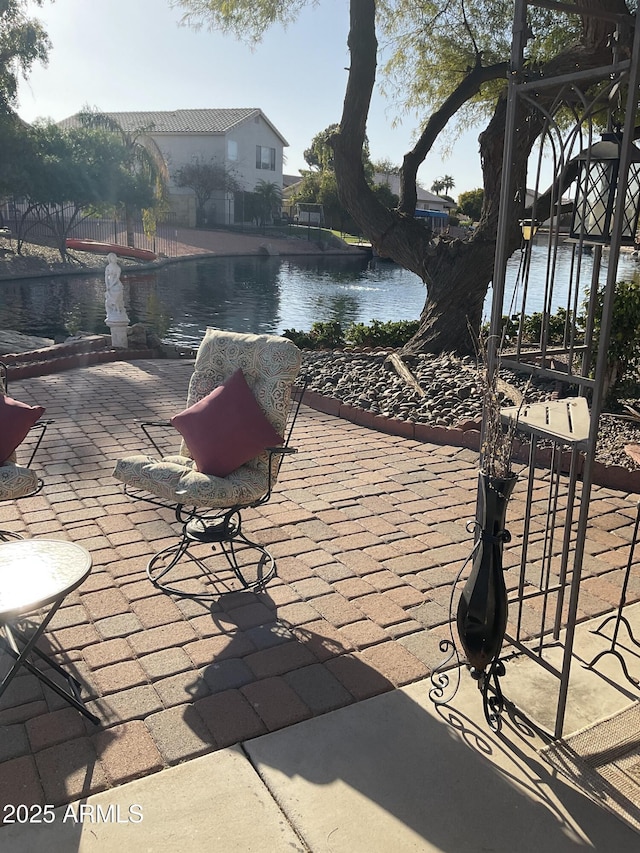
[17, 482]
[176, 480]
[226, 428]
[16, 419]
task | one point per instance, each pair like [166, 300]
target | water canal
[252, 294]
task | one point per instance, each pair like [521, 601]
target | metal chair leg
[225, 532]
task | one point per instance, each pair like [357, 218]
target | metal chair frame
[216, 526]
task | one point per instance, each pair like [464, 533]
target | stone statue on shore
[114, 294]
[117, 318]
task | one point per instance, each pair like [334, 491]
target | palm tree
[269, 197]
[437, 186]
[144, 160]
[447, 183]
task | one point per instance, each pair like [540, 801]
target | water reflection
[246, 294]
[180, 300]
[566, 266]
[53, 307]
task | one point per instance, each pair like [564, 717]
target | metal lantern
[598, 169]
[529, 229]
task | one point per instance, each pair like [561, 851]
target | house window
[265, 158]
[232, 149]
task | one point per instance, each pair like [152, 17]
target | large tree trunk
[461, 271]
[457, 273]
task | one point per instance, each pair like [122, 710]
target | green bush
[623, 355]
[320, 336]
[377, 334]
[532, 327]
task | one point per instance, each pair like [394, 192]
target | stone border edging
[27, 369]
[467, 435]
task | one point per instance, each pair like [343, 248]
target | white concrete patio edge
[389, 773]
[213, 803]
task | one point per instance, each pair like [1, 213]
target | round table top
[36, 572]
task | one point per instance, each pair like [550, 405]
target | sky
[132, 55]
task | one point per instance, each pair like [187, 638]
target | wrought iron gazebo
[585, 201]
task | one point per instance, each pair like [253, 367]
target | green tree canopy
[447, 183]
[447, 70]
[321, 188]
[205, 179]
[269, 197]
[143, 160]
[69, 174]
[23, 42]
[470, 203]
[247, 19]
[320, 154]
[385, 166]
[15, 142]
[319, 184]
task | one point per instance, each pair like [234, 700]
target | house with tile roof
[242, 139]
[425, 200]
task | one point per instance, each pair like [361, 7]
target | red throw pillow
[226, 428]
[16, 419]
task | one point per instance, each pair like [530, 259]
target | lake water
[251, 294]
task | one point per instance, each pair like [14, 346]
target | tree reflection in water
[243, 294]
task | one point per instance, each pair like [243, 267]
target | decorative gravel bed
[453, 393]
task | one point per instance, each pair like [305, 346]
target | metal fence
[104, 230]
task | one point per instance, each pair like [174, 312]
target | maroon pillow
[226, 428]
[16, 419]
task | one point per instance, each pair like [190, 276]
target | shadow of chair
[228, 461]
[21, 481]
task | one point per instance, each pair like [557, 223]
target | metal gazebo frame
[566, 428]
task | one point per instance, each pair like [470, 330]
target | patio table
[37, 575]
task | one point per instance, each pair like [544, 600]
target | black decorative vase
[482, 609]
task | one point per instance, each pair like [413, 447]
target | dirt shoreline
[37, 261]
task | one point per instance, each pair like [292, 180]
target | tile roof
[185, 121]
[394, 185]
[182, 121]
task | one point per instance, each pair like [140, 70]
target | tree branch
[464, 91]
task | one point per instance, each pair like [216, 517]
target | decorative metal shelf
[566, 421]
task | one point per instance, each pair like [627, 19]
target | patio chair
[235, 433]
[17, 420]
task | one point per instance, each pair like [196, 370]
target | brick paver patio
[369, 533]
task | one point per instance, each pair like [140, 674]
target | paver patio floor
[369, 534]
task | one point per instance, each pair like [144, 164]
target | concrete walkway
[389, 773]
[369, 532]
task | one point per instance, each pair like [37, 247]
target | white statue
[116, 318]
[114, 295]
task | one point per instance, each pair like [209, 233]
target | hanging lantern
[598, 168]
[529, 229]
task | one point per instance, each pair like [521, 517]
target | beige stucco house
[425, 200]
[244, 140]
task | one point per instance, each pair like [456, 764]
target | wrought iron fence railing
[35, 229]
